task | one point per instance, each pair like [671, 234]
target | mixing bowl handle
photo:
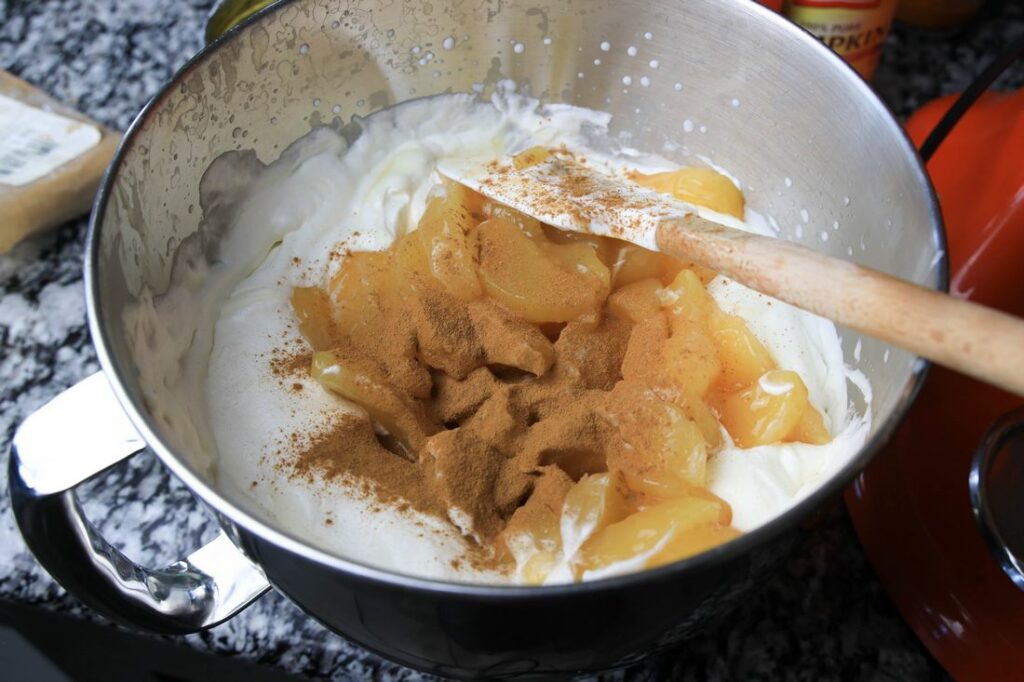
[997, 489]
[74, 437]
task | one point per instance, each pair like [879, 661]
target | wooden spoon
[561, 191]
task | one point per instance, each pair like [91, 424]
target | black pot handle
[977, 87]
[997, 492]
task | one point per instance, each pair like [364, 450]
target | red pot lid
[911, 506]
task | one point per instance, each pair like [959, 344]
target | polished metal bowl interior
[804, 143]
[702, 81]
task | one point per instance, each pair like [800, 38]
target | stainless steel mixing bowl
[722, 81]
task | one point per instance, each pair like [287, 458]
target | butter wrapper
[51, 161]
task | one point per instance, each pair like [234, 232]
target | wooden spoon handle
[970, 338]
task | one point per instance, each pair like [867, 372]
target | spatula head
[563, 190]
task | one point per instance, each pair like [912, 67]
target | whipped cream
[326, 191]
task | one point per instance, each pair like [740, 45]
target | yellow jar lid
[230, 13]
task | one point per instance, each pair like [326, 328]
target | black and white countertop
[824, 617]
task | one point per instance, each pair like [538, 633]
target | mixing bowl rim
[722, 554]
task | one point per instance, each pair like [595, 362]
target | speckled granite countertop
[824, 617]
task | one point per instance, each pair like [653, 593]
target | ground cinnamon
[515, 411]
[513, 364]
[510, 408]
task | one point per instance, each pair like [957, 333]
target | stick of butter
[51, 161]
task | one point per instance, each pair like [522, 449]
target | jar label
[856, 29]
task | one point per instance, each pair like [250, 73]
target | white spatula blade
[573, 196]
